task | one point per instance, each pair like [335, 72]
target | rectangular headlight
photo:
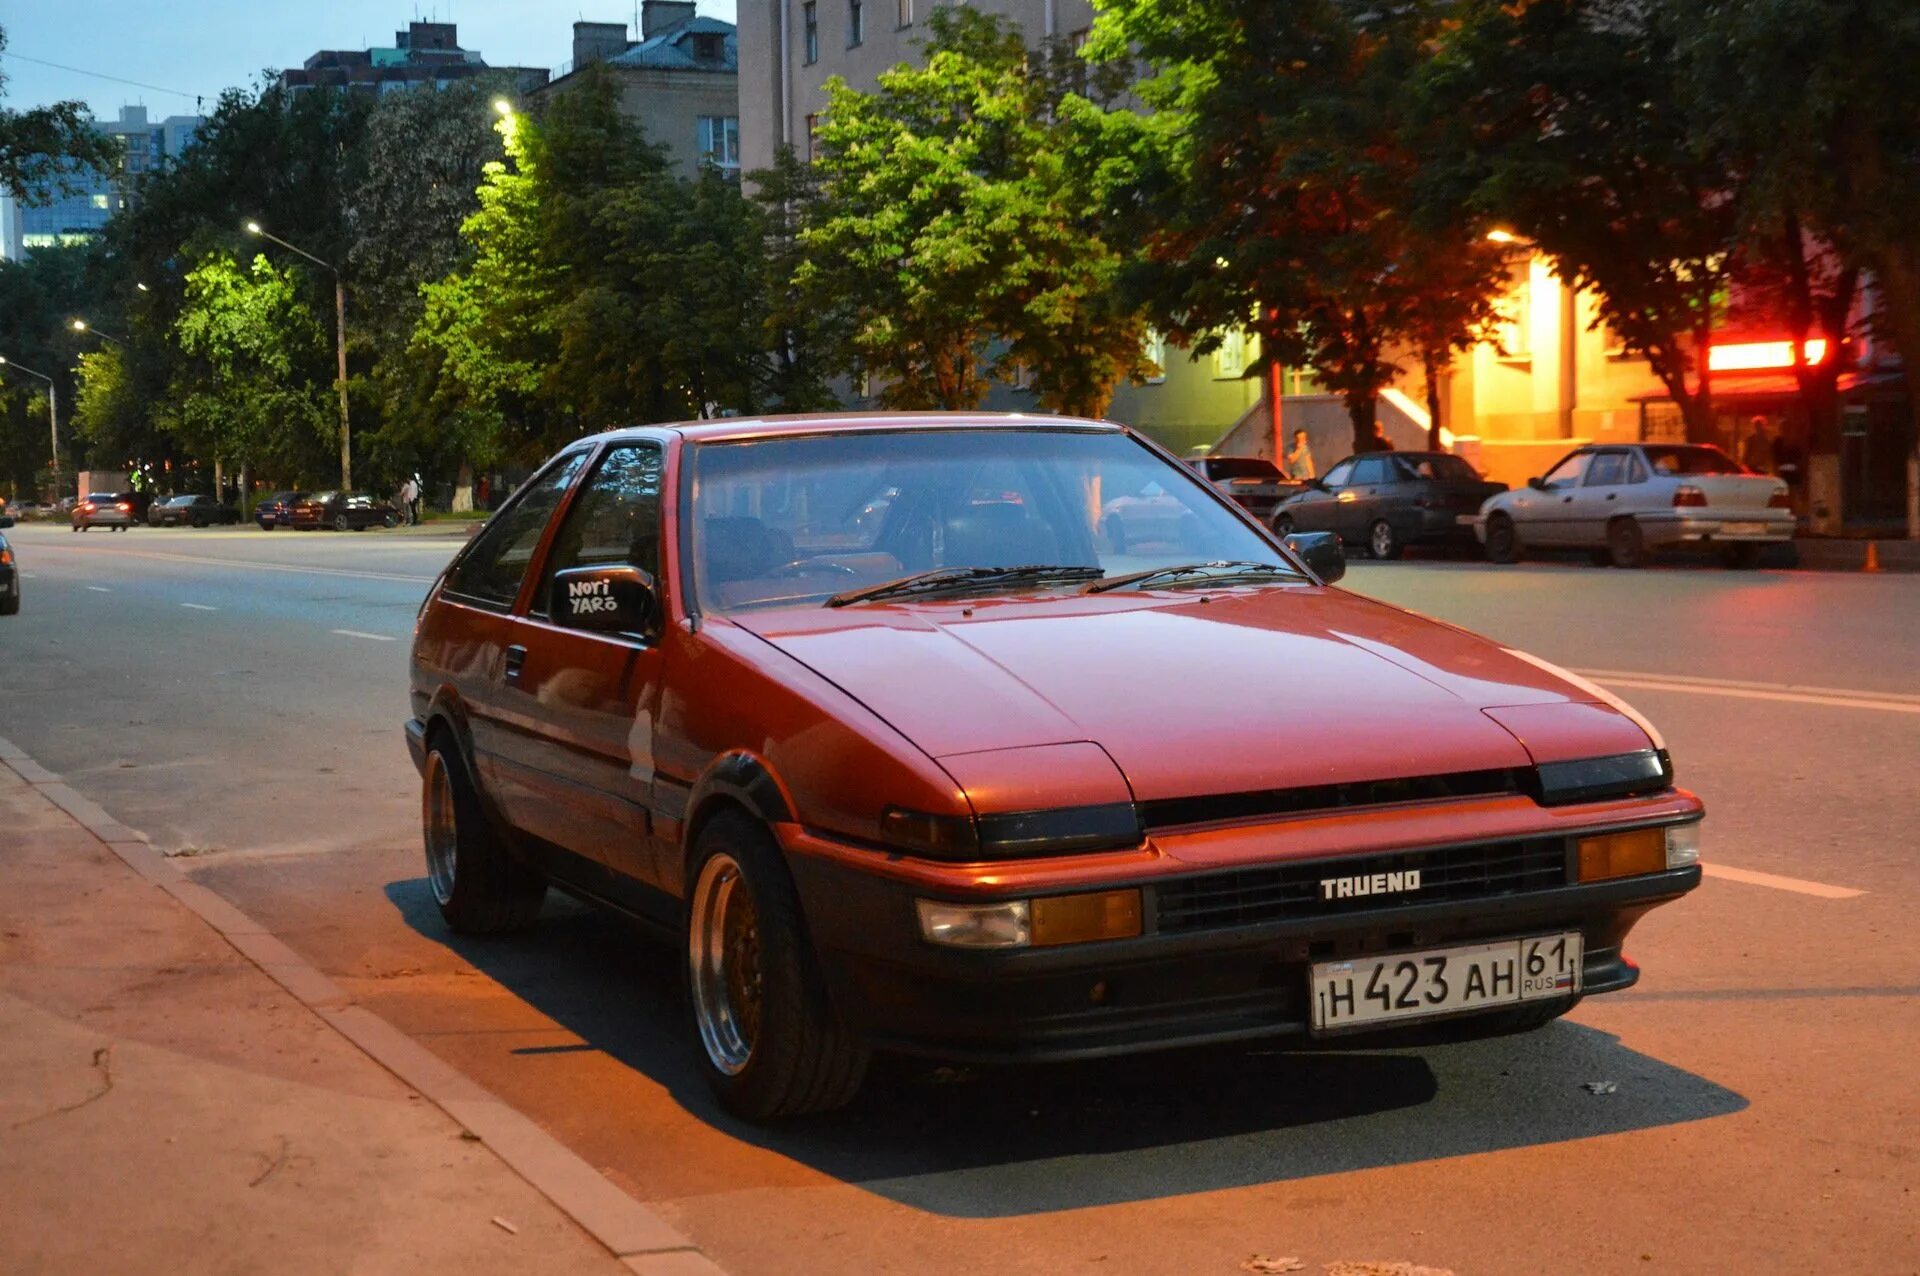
[1596, 779]
[1000, 925]
[1613, 855]
[1683, 845]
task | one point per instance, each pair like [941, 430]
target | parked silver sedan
[1623, 501]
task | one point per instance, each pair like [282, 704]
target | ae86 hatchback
[1005, 738]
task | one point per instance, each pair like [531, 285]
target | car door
[1544, 513]
[581, 705]
[1357, 504]
[1317, 509]
[470, 641]
[1598, 498]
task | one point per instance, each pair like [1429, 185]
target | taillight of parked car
[6, 557]
[1780, 500]
[124, 508]
[86, 507]
[1688, 494]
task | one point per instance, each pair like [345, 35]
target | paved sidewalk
[165, 1106]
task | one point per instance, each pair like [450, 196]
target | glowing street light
[503, 106]
[1501, 235]
[339, 343]
[53, 411]
[142, 287]
[83, 327]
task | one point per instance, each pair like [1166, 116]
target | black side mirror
[6, 521]
[1321, 552]
[1537, 483]
[604, 600]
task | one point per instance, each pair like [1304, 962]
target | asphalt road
[237, 695]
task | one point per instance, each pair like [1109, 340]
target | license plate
[1743, 529]
[1443, 981]
[1466, 520]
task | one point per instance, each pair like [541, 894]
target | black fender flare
[735, 778]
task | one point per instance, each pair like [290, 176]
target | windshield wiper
[1216, 571]
[944, 578]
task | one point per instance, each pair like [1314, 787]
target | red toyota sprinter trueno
[1005, 738]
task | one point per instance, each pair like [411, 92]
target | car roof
[732, 429]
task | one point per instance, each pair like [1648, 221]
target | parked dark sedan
[9, 573]
[1389, 500]
[343, 512]
[191, 511]
[277, 510]
[1254, 483]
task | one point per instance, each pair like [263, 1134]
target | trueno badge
[1376, 884]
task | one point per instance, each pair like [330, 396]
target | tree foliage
[951, 231]
[1293, 196]
[45, 150]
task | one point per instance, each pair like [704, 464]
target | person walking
[408, 493]
[1299, 461]
[419, 490]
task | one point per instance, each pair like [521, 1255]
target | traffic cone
[1873, 558]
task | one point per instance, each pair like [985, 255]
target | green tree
[248, 391]
[1819, 104]
[1291, 196]
[801, 334]
[38, 296]
[949, 226]
[1570, 121]
[43, 151]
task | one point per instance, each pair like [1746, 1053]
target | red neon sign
[1754, 356]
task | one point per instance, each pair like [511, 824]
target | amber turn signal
[1075, 919]
[1623, 854]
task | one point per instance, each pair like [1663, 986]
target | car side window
[615, 521]
[1569, 471]
[1609, 469]
[491, 571]
[1371, 470]
[1636, 468]
[1340, 475]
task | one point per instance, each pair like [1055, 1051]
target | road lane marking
[241, 562]
[199, 607]
[100, 589]
[358, 633]
[1784, 693]
[1797, 885]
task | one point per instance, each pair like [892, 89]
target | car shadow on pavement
[1006, 1141]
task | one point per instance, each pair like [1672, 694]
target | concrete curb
[631, 1232]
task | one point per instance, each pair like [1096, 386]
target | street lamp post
[83, 327]
[53, 414]
[339, 345]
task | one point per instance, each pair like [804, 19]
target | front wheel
[770, 1044]
[1382, 541]
[388, 521]
[480, 888]
[340, 523]
[1503, 539]
[1626, 544]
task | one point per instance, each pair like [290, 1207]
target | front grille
[1242, 897]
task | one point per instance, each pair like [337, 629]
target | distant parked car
[192, 511]
[1623, 502]
[1255, 483]
[277, 510]
[9, 573]
[103, 509]
[1389, 500]
[343, 512]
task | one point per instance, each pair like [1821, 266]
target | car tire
[10, 604]
[1742, 558]
[768, 1040]
[1382, 541]
[341, 523]
[1283, 524]
[199, 524]
[1503, 539]
[388, 521]
[79, 528]
[1626, 544]
[480, 888]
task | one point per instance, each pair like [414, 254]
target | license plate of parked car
[1444, 980]
[1742, 529]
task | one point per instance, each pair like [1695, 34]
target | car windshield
[1439, 467]
[102, 498]
[322, 496]
[1692, 459]
[808, 517]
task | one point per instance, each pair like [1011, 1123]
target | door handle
[516, 658]
[1611, 495]
[1566, 500]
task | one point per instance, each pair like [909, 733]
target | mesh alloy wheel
[442, 829]
[723, 951]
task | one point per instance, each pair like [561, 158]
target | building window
[1230, 360]
[720, 141]
[1154, 347]
[1077, 60]
[856, 23]
[101, 201]
[906, 13]
[709, 46]
[812, 20]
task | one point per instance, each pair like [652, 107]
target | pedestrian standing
[1300, 458]
[1757, 453]
[419, 490]
[1379, 442]
[407, 493]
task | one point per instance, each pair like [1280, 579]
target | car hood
[1191, 693]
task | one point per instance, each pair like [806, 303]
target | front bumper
[1158, 990]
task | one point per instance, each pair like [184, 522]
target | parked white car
[1624, 501]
